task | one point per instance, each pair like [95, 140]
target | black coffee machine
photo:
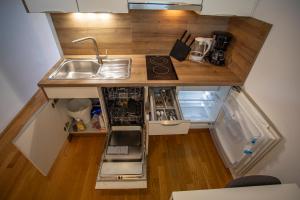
[219, 46]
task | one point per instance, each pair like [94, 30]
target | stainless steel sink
[112, 68]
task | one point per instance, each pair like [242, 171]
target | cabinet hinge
[237, 88]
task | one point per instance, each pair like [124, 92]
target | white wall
[274, 83]
[28, 50]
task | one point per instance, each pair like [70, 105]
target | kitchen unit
[198, 95]
[133, 113]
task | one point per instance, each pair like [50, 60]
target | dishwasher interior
[123, 163]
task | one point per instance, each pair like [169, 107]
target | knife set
[181, 48]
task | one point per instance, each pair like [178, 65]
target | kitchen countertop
[189, 74]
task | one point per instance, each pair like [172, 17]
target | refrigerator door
[201, 104]
[242, 133]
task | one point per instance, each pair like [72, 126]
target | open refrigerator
[241, 132]
[201, 105]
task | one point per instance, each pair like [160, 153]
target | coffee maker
[219, 47]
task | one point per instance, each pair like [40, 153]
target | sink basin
[112, 68]
[115, 69]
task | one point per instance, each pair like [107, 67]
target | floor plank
[181, 162]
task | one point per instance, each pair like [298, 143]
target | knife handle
[183, 35]
[188, 37]
[191, 42]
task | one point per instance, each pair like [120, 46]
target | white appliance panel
[242, 134]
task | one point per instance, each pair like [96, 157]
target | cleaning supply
[80, 125]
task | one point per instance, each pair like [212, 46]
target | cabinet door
[242, 133]
[114, 6]
[228, 7]
[196, 2]
[43, 136]
[51, 5]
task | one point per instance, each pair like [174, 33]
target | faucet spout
[99, 59]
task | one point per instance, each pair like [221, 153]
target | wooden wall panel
[249, 35]
[139, 32]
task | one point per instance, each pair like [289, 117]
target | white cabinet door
[242, 133]
[196, 2]
[51, 5]
[113, 6]
[228, 7]
[43, 136]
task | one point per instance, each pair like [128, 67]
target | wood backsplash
[154, 32]
[249, 35]
[139, 32]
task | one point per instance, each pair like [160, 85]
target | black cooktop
[160, 68]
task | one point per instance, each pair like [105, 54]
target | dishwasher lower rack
[123, 164]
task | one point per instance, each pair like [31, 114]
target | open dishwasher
[124, 160]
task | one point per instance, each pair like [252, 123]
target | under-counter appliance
[221, 41]
[242, 133]
[124, 160]
[201, 105]
[160, 68]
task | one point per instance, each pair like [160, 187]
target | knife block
[180, 50]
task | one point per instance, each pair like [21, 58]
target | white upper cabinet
[114, 6]
[51, 5]
[197, 2]
[228, 7]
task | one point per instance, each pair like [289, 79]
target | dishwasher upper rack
[125, 116]
[135, 93]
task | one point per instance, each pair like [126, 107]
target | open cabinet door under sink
[42, 138]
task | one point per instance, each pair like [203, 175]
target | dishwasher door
[124, 160]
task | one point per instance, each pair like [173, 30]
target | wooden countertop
[189, 73]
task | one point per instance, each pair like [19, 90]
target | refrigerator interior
[201, 104]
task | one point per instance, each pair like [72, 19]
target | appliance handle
[170, 123]
[208, 47]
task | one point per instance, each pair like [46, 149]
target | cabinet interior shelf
[88, 131]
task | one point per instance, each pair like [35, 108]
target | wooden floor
[182, 162]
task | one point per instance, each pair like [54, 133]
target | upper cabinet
[228, 7]
[197, 2]
[114, 6]
[51, 5]
[209, 7]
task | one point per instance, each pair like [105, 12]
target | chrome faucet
[95, 47]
